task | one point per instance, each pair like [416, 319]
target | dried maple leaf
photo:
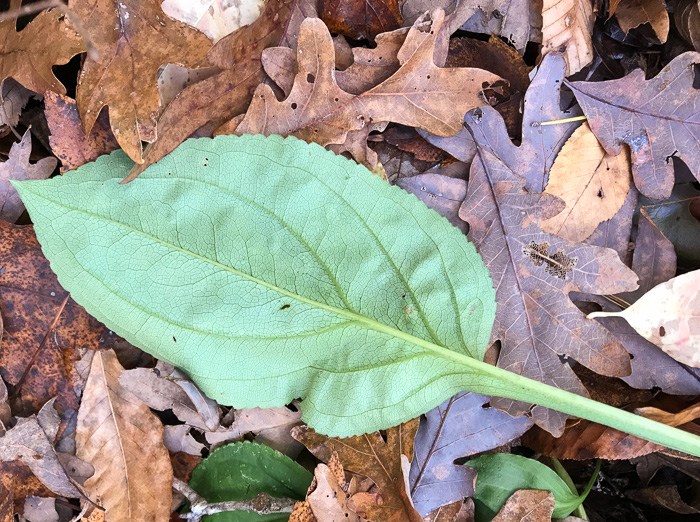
[29, 55]
[376, 458]
[17, 167]
[592, 184]
[533, 272]
[657, 118]
[44, 330]
[567, 26]
[361, 19]
[222, 96]
[133, 39]
[419, 94]
[123, 440]
[68, 139]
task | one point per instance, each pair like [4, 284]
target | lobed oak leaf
[592, 184]
[376, 458]
[123, 440]
[419, 94]
[29, 55]
[213, 101]
[567, 26]
[635, 111]
[133, 39]
[534, 272]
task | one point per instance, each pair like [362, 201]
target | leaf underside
[270, 269]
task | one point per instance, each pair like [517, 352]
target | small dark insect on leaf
[174, 340]
[285, 306]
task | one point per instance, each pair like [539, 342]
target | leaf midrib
[369, 323]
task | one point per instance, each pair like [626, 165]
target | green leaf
[271, 269]
[243, 470]
[502, 474]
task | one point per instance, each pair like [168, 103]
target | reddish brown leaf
[6, 504]
[18, 479]
[370, 455]
[28, 56]
[44, 329]
[68, 140]
[407, 139]
[133, 39]
[219, 98]
[361, 19]
[527, 505]
[318, 110]
[183, 464]
[587, 440]
[636, 111]
[17, 167]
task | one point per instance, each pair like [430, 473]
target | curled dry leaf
[123, 440]
[28, 56]
[592, 183]
[527, 505]
[686, 14]
[633, 13]
[567, 26]
[318, 110]
[68, 140]
[635, 111]
[133, 39]
[18, 167]
[376, 458]
[668, 316]
[689, 414]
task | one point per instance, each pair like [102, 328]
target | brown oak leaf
[534, 272]
[29, 55]
[217, 99]
[379, 459]
[636, 111]
[419, 94]
[133, 38]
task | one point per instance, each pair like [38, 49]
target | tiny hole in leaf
[294, 106]
[310, 78]
[662, 331]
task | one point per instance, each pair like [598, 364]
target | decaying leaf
[18, 167]
[460, 427]
[28, 442]
[633, 13]
[68, 140]
[527, 505]
[44, 330]
[29, 55]
[215, 18]
[133, 39]
[361, 19]
[123, 440]
[441, 193]
[532, 324]
[318, 110]
[588, 440]
[592, 184]
[638, 112]
[329, 500]
[376, 458]
[668, 316]
[688, 414]
[13, 99]
[686, 14]
[219, 98]
[40, 509]
[567, 26]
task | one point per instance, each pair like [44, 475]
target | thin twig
[556, 122]
[67, 11]
[263, 504]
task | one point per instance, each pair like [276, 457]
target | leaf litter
[558, 231]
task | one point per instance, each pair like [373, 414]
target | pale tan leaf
[633, 13]
[567, 26]
[527, 505]
[689, 414]
[215, 18]
[329, 501]
[592, 183]
[668, 315]
[123, 440]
